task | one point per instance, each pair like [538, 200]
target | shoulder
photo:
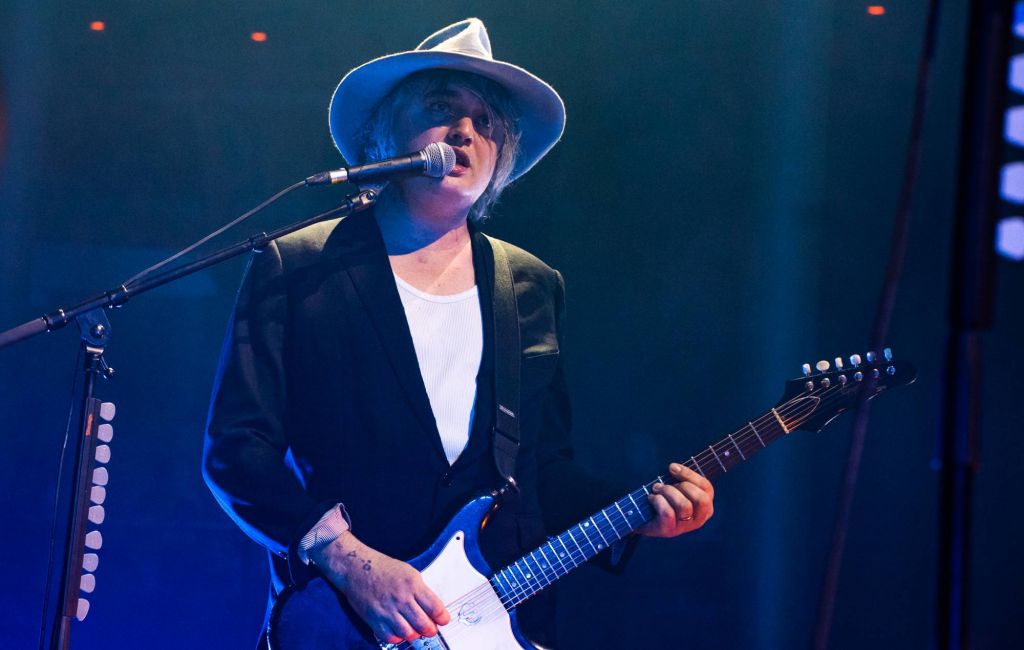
[307, 244]
[528, 267]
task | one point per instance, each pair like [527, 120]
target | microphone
[436, 160]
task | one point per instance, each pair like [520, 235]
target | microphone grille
[440, 159]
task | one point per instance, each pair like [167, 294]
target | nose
[461, 132]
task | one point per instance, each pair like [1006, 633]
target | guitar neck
[561, 554]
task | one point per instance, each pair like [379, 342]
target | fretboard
[562, 553]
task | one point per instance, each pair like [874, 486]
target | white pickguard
[479, 622]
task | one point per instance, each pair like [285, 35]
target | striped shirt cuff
[330, 527]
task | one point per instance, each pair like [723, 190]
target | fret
[615, 531]
[560, 563]
[598, 529]
[779, 418]
[568, 554]
[712, 448]
[525, 580]
[504, 589]
[541, 574]
[754, 429]
[583, 529]
[638, 511]
[697, 467]
[573, 538]
[742, 455]
[629, 526]
[512, 586]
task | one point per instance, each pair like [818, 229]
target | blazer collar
[359, 245]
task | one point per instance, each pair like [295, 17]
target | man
[355, 405]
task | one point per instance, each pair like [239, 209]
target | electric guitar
[483, 602]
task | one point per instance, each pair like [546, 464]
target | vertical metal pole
[971, 300]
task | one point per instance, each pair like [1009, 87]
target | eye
[440, 106]
[484, 121]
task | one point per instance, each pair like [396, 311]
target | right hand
[388, 594]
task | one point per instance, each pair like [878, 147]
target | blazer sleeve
[568, 491]
[245, 451]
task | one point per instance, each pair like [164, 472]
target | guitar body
[317, 617]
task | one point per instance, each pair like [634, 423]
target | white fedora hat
[462, 46]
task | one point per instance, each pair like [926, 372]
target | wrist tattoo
[367, 564]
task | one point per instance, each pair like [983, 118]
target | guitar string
[788, 411]
[521, 592]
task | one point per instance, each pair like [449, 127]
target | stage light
[1014, 129]
[876, 10]
[1012, 183]
[1018, 19]
[1010, 238]
[97, 25]
[1017, 73]
[259, 37]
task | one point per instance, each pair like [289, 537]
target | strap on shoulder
[508, 359]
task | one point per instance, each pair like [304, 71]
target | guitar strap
[507, 362]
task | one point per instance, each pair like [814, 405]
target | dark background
[720, 206]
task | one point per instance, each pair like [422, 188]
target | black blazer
[319, 400]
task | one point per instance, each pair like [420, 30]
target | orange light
[259, 37]
[876, 10]
[97, 25]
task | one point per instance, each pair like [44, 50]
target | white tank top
[448, 336]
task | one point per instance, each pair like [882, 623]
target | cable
[47, 590]
[213, 234]
[880, 330]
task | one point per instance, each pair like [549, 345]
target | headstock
[829, 388]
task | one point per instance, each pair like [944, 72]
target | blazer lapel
[361, 248]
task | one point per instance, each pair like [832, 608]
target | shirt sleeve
[329, 528]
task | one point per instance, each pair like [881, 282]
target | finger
[418, 619]
[682, 507]
[400, 627]
[433, 606]
[685, 473]
[703, 503]
[662, 510]
[384, 631]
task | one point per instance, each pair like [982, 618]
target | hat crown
[465, 37]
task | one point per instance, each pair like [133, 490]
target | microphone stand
[95, 333]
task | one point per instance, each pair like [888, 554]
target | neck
[407, 228]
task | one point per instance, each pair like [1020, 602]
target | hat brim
[541, 111]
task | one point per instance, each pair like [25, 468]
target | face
[455, 115]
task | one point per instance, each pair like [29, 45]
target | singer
[363, 384]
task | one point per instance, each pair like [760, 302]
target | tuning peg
[87, 583]
[806, 369]
[96, 514]
[843, 380]
[891, 370]
[105, 433]
[839, 363]
[90, 561]
[854, 360]
[858, 376]
[887, 353]
[108, 411]
[871, 357]
[83, 609]
[94, 540]
[98, 494]
[100, 476]
[822, 366]
[103, 453]
[825, 383]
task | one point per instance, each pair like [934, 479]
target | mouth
[461, 163]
